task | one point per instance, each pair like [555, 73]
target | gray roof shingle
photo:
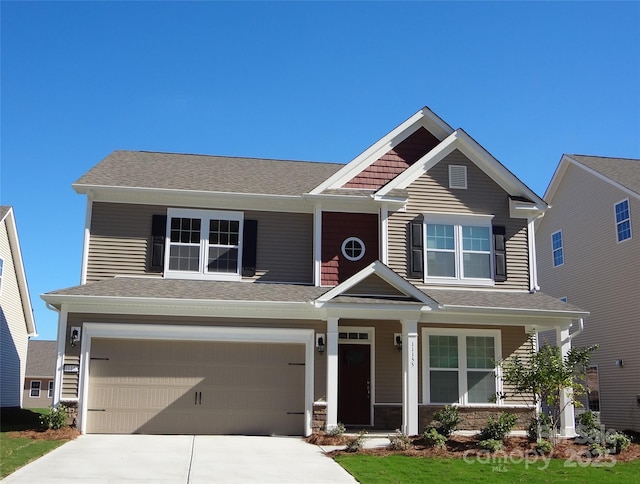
[172, 171]
[625, 171]
[41, 358]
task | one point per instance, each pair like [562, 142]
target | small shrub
[337, 431]
[448, 419]
[544, 446]
[543, 421]
[491, 445]
[597, 450]
[356, 443]
[55, 418]
[399, 441]
[434, 439]
[497, 429]
[618, 442]
[588, 430]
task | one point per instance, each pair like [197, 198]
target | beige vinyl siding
[430, 193]
[374, 286]
[77, 319]
[120, 239]
[43, 401]
[601, 276]
[13, 329]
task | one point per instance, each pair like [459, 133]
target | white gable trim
[385, 274]
[461, 141]
[425, 118]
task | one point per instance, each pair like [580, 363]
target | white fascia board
[423, 118]
[197, 199]
[541, 320]
[21, 275]
[558, 174]
[519, 312]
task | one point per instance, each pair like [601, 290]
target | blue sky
[318, 81]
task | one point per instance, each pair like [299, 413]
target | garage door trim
[196, 333]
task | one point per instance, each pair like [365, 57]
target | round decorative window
[353, 248]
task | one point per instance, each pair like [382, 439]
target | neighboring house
[233, 295]
[38, 381]
[16, 315]
[589, 253]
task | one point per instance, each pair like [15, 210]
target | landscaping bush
[399, 441]
[491, 445]
[497, 429]
[539, 428]
[448, 419]
[356, 443]
[337, 431]
[55, 418]
[618, 442]
[434, 439]
[544, 446]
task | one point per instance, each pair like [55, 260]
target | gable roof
[7, 217]
[41, 358]
[624, 173]
[203, 173]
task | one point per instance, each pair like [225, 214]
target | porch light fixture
[74, 336]
[320, 343]
[397, 341]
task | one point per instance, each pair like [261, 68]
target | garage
[195, 387]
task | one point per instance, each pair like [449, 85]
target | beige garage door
[160, 387]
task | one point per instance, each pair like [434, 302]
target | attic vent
[458, 176]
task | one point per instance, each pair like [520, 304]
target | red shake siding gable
[391, 164]
[336, 227]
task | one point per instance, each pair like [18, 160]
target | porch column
[332, 373]
[567, 416]
[410, 377]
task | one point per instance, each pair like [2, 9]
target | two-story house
[17, 324]
[589, 254]
[235, 295]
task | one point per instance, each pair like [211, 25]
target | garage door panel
[196, 388]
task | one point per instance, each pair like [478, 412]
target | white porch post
[332, 373]
[410, 377]
[567, 416]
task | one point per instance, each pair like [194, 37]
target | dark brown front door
[354, 384]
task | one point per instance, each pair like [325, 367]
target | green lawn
[16, 452]
[402, 469]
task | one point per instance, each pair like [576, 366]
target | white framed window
[458, 249]
[34, 392]
[557, 248]
[203, 244]
[623, 220]
[353, 248]
[459, 366]
[50, 389]
[593, 385]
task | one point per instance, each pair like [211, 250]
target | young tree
[542, 375]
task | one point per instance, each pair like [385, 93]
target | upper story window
[204, 244]
[557, 248]
[458, 249]
[623, 220]
[353, 248]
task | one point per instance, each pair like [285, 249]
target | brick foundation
[319, 420]
[474, 418]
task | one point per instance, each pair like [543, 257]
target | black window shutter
[500, 251]
[416, 248]
[249, 247]
[158, 235]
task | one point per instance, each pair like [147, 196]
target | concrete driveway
[184, 459]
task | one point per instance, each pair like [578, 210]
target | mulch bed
[460, 446]
[67, 433]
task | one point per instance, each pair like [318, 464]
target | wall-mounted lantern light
[320, 342]
[397, 341]
[74, 336]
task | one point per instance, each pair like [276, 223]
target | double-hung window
[460, 366]
[458, 248]
[557, 248]
[34, 391]
[623, 220]
[204, 244]
[50, 389]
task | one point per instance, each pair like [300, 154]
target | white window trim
[205, 216]
[476, 220]
[462, 363]
[344, 246]
[31, 389]
[615, 220]
[553, 258]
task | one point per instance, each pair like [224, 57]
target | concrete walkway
[183, 459]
